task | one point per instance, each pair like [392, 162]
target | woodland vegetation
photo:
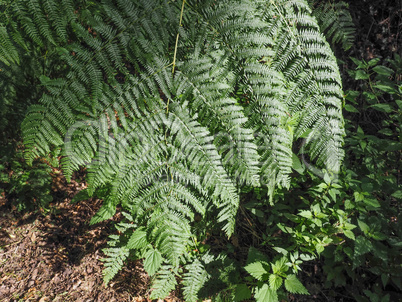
[231, 150]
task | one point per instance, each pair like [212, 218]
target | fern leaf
[193, 280]
[164, 283]
[335, 22]
[114, 262]
[8, 52]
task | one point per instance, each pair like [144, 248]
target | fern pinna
[173, 107]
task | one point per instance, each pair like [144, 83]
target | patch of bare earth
[56, 257]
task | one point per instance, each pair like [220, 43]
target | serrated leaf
[372, 202]
[279, 266]
[397, 194]
[293, 285]
[363, 226]
[362, 246]
[137, 240]
[275, 281]
[359, 63]
[242, 292]
[153, 261]
[361, 75]
[386, 88]
[266, 294]
[258, 270]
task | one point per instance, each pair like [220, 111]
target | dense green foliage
[192, 117]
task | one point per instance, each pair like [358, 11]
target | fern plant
[335, 21]
[174, 107]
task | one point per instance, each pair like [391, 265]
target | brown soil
[57, 256]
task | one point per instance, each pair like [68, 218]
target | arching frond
[171, 117]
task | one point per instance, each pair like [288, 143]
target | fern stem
[177, 36]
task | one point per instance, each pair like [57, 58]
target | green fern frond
[249, 80]
[335, 21]
[8, 51]
[194, 279]
[164, 282]
[115, 261]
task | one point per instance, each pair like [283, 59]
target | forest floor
[55, 256]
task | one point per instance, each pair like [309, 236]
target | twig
[177, 37]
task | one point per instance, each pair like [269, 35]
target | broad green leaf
[361, 75]
[360, 64]
[393, 146]
[385, 88]
[350, 108]
[266, 294]
[373, 62]
[319, 247]
[306, 214]
[384, 279]
[386, 131]
[378, 236]
[153, 261]
[349, 204]
[358, 196]
[350, 226]
[279, 266]
[242, 292]
[383, 107]
[294, 286]
[372, 202]
[349, 234]
[258, 270]
[297, 166]
[383, 70]
[363, 226]
[275, 281]
[397, 194]
[44, 79]
[280, 250]
[137, 240]
[362, 246]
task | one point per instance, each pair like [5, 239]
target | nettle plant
[370, 258]
[175, 108]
